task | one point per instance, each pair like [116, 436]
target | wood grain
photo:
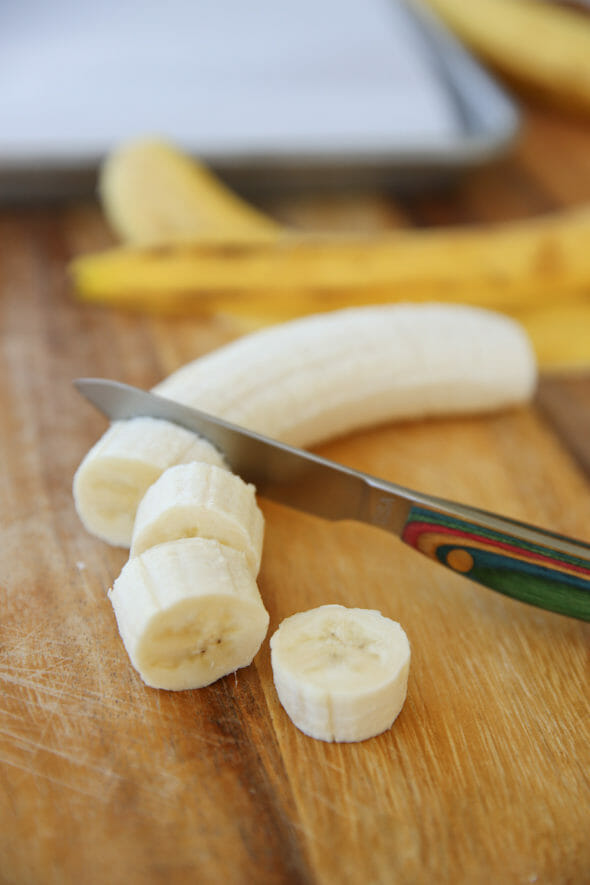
[484, 777]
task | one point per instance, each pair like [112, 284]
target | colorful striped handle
[535, 573]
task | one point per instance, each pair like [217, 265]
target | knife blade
[527, 563]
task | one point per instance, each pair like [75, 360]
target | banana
[315, 378]
[152, 193]
[200, 500]
[326, 375]
[119, 468]
[508, 265]
[542, 46]
[189, 612]
[340, 673]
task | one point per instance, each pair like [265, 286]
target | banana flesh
[189, 612]
[316, 378]
[152, 193]
[188, 608]
[186, 603]
[341, 674]
[120, 467]
[200, 500]
[322, 376]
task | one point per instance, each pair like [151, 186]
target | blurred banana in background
[152, 193]
[540, 45]
[191, 245]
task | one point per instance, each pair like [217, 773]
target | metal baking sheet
[289, 95]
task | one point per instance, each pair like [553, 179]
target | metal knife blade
[520, 560]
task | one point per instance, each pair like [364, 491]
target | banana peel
[191, 245]
[153, 193]
[508, 264]
[543, 47]
[560, 335]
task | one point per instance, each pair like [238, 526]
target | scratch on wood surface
[98, 793]
[66, 749]
[34, 747]
[62, 713]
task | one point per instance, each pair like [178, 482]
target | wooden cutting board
[484, 777]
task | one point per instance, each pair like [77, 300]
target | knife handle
[536, 573]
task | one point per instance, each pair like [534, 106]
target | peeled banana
[340, 673]
[315, 378]
[186, 602]
[325, 375]
[200, 500]
[189, 612]
[188, 608]
[152, 193]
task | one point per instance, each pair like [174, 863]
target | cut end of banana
[117, 471]
[204, 501]
[189, 612]
[341, 674]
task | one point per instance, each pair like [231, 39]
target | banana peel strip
[240, 262]
[151, 193]
[526, 268]
[542, 46]
[548, 253]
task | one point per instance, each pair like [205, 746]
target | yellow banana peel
[542, 46]
[152, 193]
[506, 265]
[560, 335]
[191, 245]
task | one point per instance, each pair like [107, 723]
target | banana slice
[189, 612]
[340, 673]
[200, 500]
[116, 472]
[318, 377]
[152, 193]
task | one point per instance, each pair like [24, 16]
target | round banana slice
[188, 612]
[116, 472]
[340, 673]
[200, 500]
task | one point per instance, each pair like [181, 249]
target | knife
[527, 563]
